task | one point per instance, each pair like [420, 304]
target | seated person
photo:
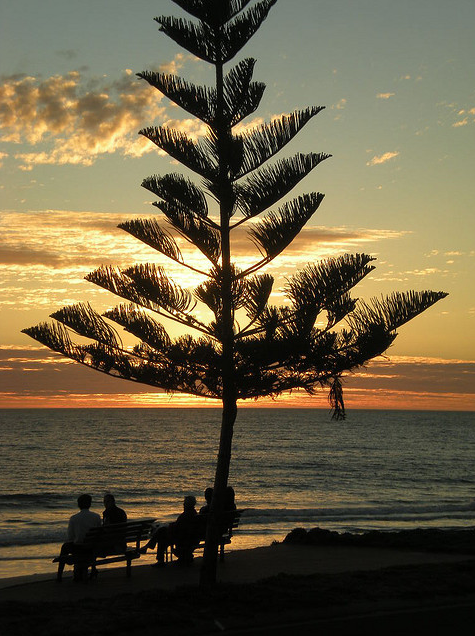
[203, 514]
[229, 506]
[79, 524]
[208, 497]
[112, 513]
[229, 499]
[183, 534]
[229, 503]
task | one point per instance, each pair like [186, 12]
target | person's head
[84, 501]
[189, 502]
[109, 500]
[208, 495]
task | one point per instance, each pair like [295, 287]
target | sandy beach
[271, 586]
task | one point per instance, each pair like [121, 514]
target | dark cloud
[417, 376]
[68, 54]
[311, 238]
[25, 256]
[41, 372]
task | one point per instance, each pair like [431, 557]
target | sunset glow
[399, 122]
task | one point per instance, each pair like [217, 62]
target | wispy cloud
[380, 159]
[463, 116]
[459, 124]
[341, 104]
[428, 271]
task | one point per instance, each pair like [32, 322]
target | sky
[397, 83]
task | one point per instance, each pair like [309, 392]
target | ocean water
[291, 467]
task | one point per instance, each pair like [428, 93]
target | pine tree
[270, 349]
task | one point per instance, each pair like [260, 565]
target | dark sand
[282, 589]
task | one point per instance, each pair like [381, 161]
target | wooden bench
[225, 539]
[107, 544]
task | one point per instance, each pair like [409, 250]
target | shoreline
[420, 542]
[240, 566]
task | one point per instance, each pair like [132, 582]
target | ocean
[386, 470]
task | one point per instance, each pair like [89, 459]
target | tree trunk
[226, 200]
[216, 515]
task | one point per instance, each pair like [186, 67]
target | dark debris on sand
[422, 539]
[284, 598]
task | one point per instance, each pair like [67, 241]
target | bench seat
[224, 540]
[108, 544]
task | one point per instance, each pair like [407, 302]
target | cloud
[175, 64]
[38, 377]
[419, 374]
[387, 156]
[464, 115]
[56, 237]
[385, 95]
[428, 271]
[45, 255]
[68, 54]
[70, 119]
[243, 127]
[423, 360]
[341, 104]
[320, 242]
[21, 255]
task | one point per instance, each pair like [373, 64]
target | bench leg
[221, 552]
[128, 570]
[80, 572]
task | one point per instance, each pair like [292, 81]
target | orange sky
[399, 122]
[37, 378]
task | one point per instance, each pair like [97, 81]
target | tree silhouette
[251, 348]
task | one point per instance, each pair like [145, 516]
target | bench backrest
[230, 522]
[234, 521]
[120, 533]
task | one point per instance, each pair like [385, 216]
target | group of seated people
[184, 534]
[83, 521]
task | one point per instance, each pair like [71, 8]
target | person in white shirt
[78, 526]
